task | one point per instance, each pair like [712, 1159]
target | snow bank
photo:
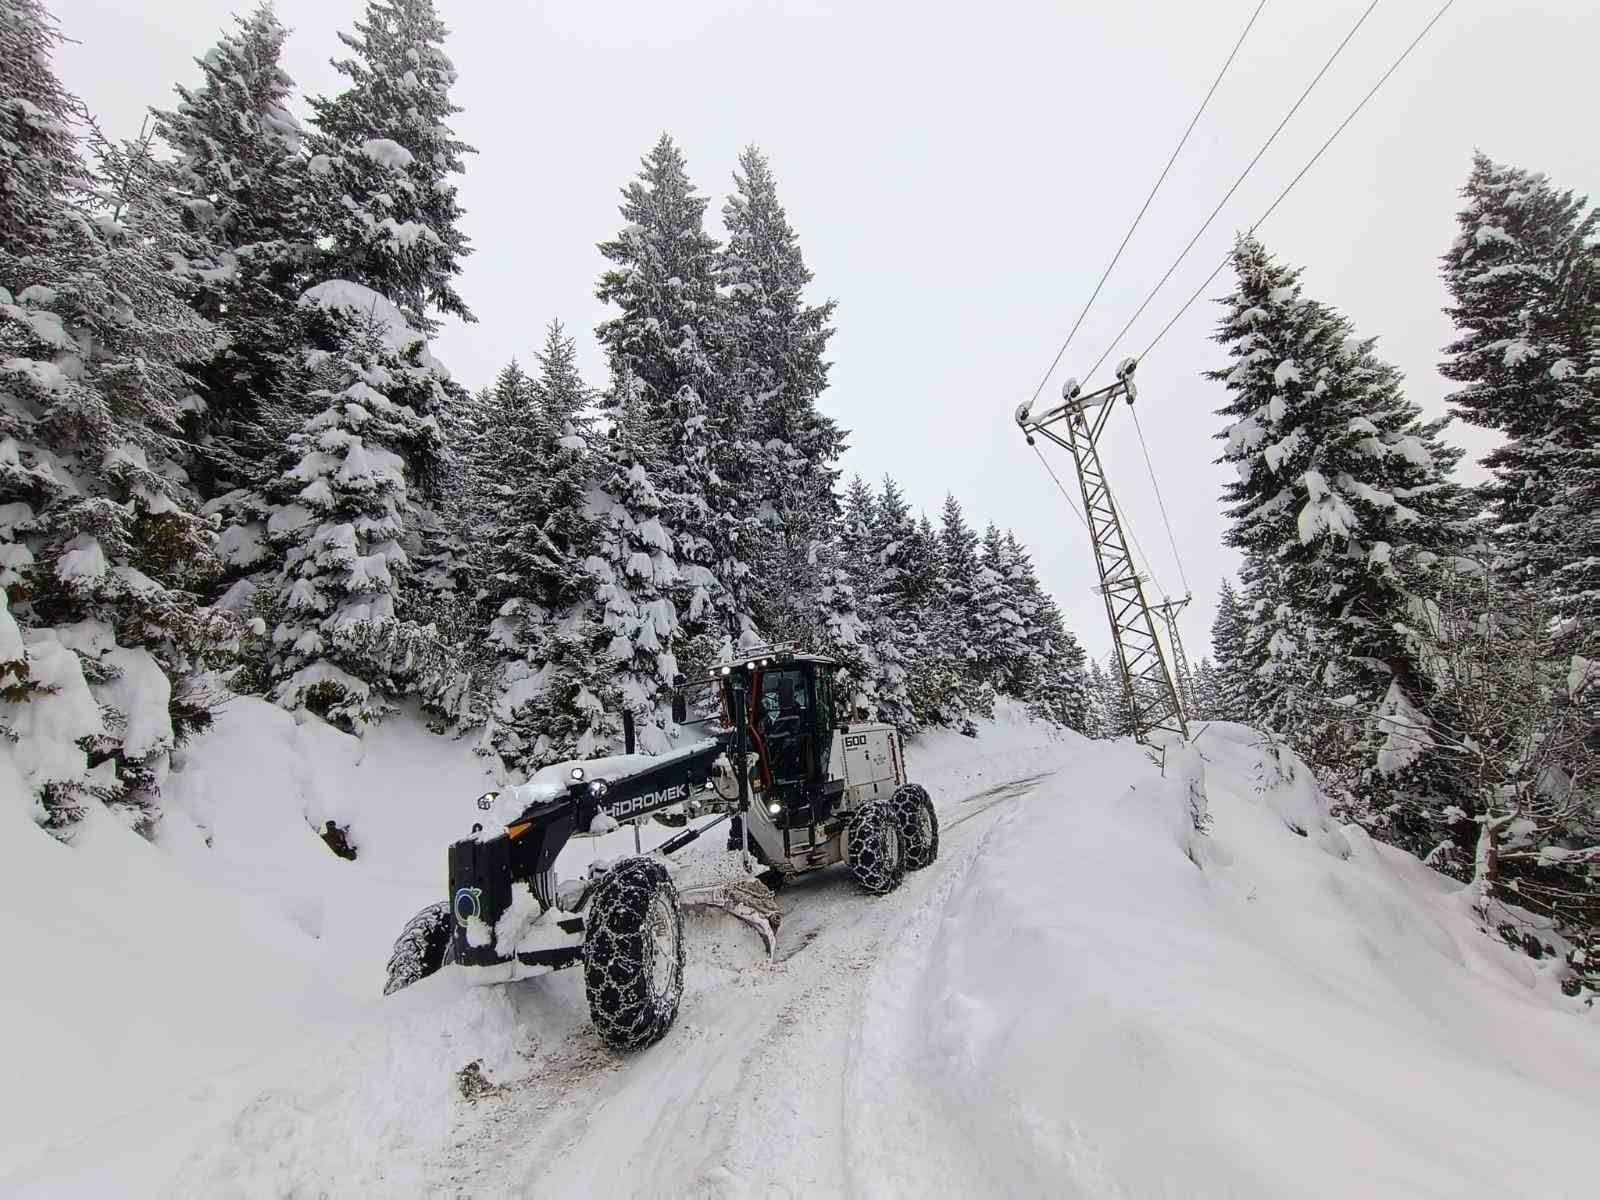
[159, 987]
[1114, 1001]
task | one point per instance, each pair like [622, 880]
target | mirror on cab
[680, 707]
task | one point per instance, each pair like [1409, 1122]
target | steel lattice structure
[1075, 425]
[1169, 610]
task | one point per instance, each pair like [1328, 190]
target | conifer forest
[235, 477]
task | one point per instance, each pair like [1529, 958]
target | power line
[1127, 528]
[1055, 362]
[1063, 488]
[1228, 195]
[1149, 466]
[1311, 162]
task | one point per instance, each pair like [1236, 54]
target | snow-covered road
[766, 1084]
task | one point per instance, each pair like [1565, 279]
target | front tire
[421, 949]
[633, 954]
[919, 824]
[874, 848]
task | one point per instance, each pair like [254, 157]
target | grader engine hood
[528, 826]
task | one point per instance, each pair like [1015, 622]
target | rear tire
[874, 848]
[919, 825]
[633, 954]
[421, 949]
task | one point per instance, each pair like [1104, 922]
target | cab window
[784, 696]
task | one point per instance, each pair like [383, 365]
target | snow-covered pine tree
[1206, 700]
[1284, 648]
[1337, 473]
[103, 546]
[936, 682]
[1027, 600]
[509, 481]
[341, 515]
[858, 513]
[1109, 700]
[1048, 672]
[238, 185]
[1094, 724]
[784, 453]
[965, 630]
[39, 157]
[379, 198]
[853, 563]
[1064, 688]
[843, 633]
[894, 580]
[47, 717]
[380, 194]
[1005, 644]
[667, 339]
[633, 565]
[1230, 695]
[1524, 277]
[553, 697]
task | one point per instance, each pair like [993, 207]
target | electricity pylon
[1169, 610]
[1147, 680]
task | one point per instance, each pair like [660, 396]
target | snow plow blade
[745, 900]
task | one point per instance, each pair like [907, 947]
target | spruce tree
[1524, 278]
[1207, 699]
[103, 547]
[843, 632]
[1110, 716]
[40, 161]
[891, 545]
[958, 546]
[1337, 474]
[380, 191]
[667, 338]
[341, 515]
[535, 537]
[506, 544]
[784, 450]
[240, 175]
[350, 639]
[855, 567]
[936, 682]
[1229, 700]
[633, 566]
[1005, 645]
[1048, 671]
[965, 630]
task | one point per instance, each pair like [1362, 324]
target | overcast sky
[959, 174]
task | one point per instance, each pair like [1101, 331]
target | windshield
[785, 700]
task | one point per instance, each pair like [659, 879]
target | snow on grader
[800, 790]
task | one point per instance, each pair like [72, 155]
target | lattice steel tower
[1147, 680]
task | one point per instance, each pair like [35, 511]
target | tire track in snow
[900, 1140]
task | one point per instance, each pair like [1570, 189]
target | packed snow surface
[1123, 977]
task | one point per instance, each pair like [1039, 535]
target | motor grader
[800, 788]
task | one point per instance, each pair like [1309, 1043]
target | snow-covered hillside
[1085, 995]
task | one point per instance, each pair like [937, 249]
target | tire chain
[918, 824]
[421, 949]
[618, 956]
[876, 850]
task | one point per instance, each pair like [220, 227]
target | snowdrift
[1116, 1002]
[146, 979]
